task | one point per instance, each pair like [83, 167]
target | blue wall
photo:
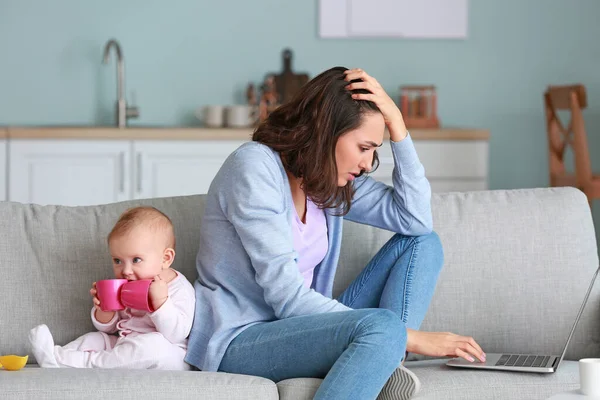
[184, 54]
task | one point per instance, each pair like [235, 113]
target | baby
[142, 246]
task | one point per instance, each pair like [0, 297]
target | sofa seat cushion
[442, 382]
[298, 388]
[69, 383]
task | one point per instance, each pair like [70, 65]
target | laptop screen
[585, 299]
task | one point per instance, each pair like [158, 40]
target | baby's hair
[150, 218]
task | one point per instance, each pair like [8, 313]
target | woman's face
[354, 149]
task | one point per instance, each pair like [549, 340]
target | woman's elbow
[421, 226]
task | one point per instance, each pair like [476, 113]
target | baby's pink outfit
[146, 340]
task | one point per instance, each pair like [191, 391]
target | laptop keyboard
[519, 360]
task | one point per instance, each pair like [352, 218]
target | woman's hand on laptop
[442, 344]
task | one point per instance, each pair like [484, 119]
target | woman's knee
[432, 244]
[429, 245]
[386, 328]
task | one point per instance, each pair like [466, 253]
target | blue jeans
[354, 351]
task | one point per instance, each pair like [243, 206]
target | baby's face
[138, 254]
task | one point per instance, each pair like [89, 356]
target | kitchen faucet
[123, 111]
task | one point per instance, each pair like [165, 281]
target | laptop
[541, 363]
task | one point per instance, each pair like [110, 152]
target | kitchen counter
[177, 133]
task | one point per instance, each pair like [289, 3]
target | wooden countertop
[166, 133]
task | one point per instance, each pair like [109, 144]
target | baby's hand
[101, 316]
[159, 292]
[94, 294]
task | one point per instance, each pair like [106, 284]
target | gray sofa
[517, 266]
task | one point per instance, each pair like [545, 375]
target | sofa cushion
[298, 388]
[517, 266]
[67, 383]
[442, 382]
[52, 254]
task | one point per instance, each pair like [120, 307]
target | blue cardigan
[247, 272]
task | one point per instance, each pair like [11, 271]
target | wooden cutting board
[287, 82]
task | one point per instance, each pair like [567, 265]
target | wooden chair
[574, 99]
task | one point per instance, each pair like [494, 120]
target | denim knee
[429, 244]
[386, 330]
[432, 244]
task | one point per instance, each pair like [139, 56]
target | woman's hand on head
[443, 344]
[390, 111]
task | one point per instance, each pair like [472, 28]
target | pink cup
[108, 291]
[136, 295]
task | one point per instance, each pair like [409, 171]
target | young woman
[270, 242]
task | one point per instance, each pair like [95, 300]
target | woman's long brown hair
[305, 131]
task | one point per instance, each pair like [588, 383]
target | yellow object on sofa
[13, 362]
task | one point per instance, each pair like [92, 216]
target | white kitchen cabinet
[89, 171]
[69, 172]
[450, 165]
[84, 172]
[176, 168]
[3, 177]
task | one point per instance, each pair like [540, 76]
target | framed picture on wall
[419, 19]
